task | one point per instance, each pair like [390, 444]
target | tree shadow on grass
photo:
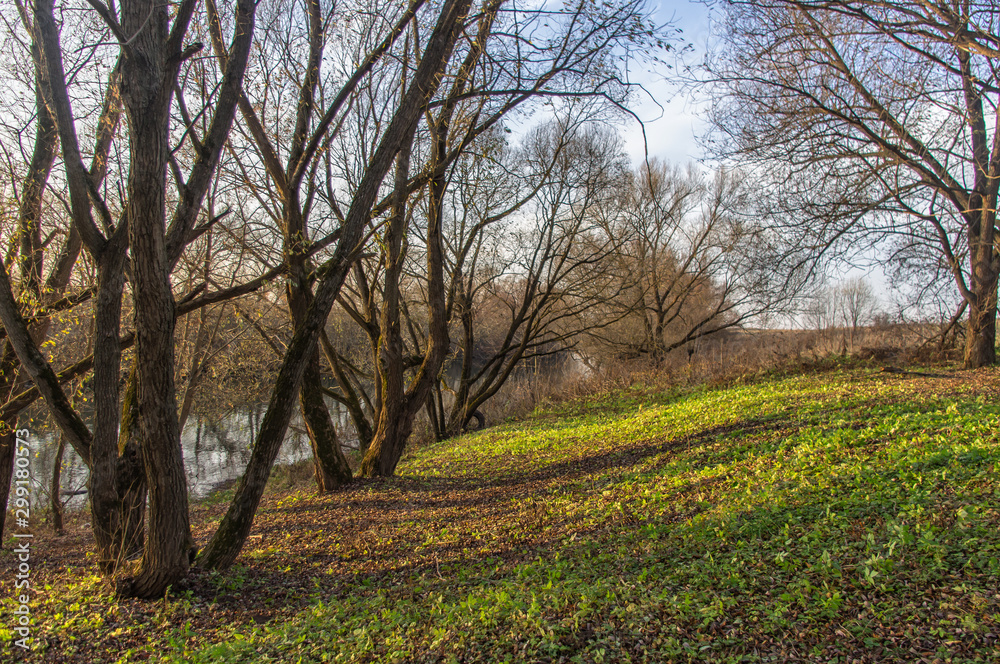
[406, 524]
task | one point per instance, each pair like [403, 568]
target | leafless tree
[415, 91]
[521, 285]
[479, 92]
[820, 311]
[873, 119]
[152, 49]
[445, 74]
[692, 261]
[39, 295]
[857, 304]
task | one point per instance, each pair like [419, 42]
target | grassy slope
[840, 517]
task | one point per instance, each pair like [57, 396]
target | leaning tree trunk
[228, 539]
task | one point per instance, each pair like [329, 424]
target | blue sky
[672, 132]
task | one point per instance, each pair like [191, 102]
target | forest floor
[846, 516]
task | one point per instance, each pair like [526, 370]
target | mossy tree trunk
[331, 468]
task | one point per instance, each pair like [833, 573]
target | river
[216, 450]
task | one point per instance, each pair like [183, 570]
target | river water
[216, 450]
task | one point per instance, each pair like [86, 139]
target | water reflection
[216, 450]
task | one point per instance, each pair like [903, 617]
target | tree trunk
[393, 423]
[435, 412]
[331, 466]
[984, 268]
[395, 418]
[394, 427]
[981, 217]
[459, 420]
[105, 499]
[147, 84]
[228, 539]
[129, 539]
[55, 502]
[980, 337]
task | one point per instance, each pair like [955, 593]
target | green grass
[842, 517]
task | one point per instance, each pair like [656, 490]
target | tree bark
[147, 84]
[103, 484]
[980, 348]
[129, 538]
[980, 337]
[331, 466]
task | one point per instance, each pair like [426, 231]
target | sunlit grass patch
[835, 517]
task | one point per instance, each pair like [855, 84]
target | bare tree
[299, 38]
[41, 296]
[691, 261]
[870, 120]
[857, 304]
[821, 309]
[524, 291]
[446, 88]
[422, 86]
[480, 91]
[153, 51]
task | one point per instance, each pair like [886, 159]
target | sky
[673, 118]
